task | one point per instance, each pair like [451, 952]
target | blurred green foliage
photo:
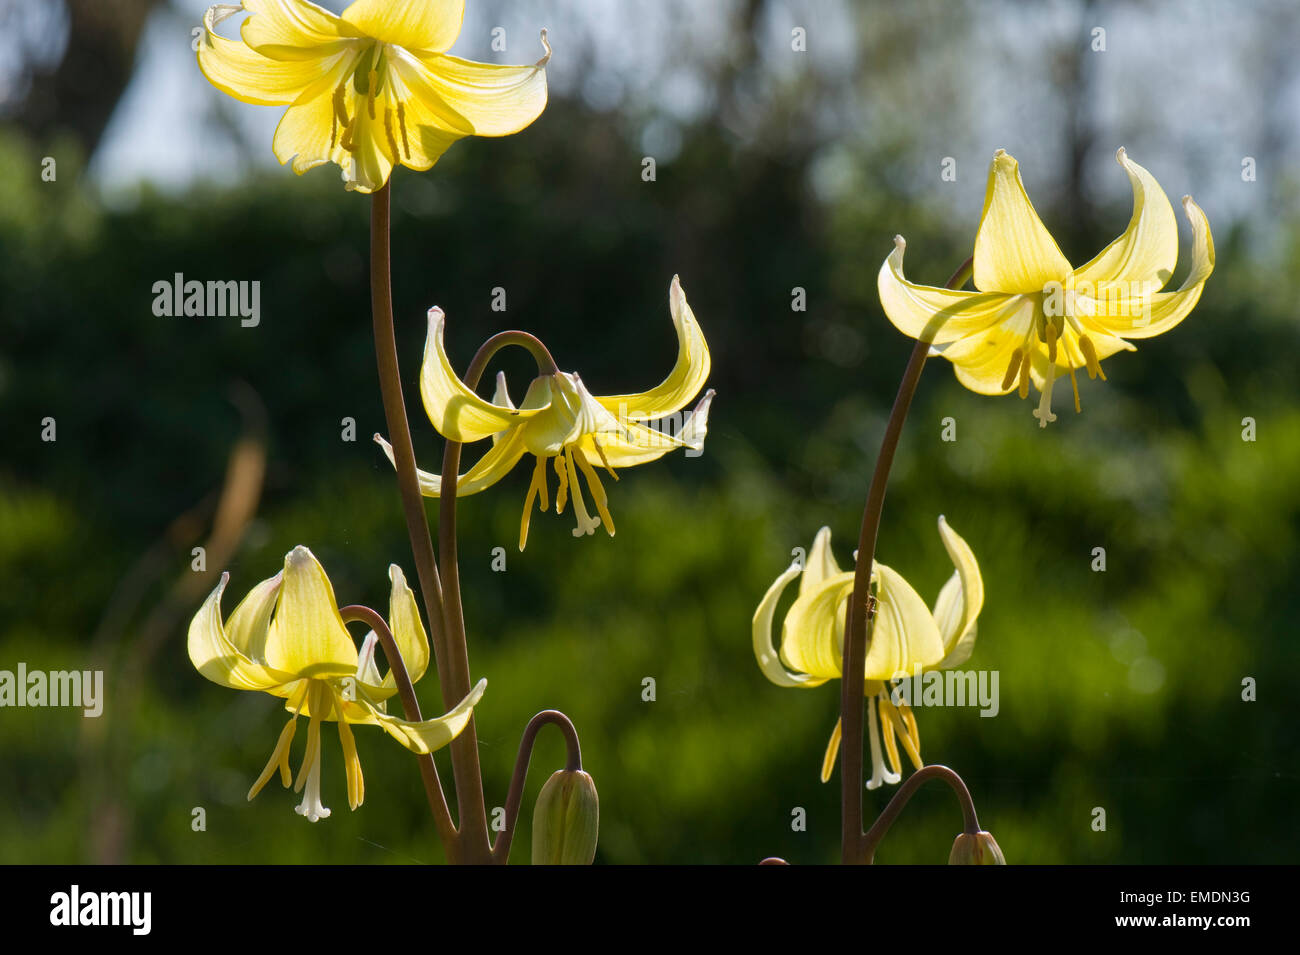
[1119, 689]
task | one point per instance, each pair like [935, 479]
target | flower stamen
[535, 488]
[597, 490]
[1013, 369]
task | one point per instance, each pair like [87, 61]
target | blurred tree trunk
[80, 93]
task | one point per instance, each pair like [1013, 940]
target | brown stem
[475, 839]
[856, 623]
[573, 763]
[411, 707]
[390, 384]
[970, 820]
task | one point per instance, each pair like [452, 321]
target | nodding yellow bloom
[1034, 317]
[369, 89]
[287, 638]
[560, 421]
[905, 637]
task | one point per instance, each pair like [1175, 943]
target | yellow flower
[1035, 318]
[906, 638]
[287, 638]
[561, 421]
[368, 89]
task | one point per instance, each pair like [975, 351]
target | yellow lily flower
[368, 89]
[1034, 317]
[561, 421]
[906, 638]
[287, 638]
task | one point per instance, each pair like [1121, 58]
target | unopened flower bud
[566, 820]
[978, 848]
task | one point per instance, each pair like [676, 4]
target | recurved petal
[689, 373]
[414, 24]
[408, 631]
[374, 146]
[764, 651]
[248, 626]
[487, 470]
[1133, 317]
[1014, 252]
[494, 99]
[820, 563]
[217, 658]
[936, 315]
[639, 444]
[1147, 250]
[812, 639]
[456, 411]
[294, 29]
[904, 634]
[960, 600]
[307, 636]
[235, 69]
[424, 736]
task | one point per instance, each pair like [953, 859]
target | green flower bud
[566, 820]
[979, 848]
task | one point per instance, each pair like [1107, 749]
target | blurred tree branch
[80, 93]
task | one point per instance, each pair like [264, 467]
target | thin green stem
[861, 610]
[970, 820]
[573, 763]
[411, 707]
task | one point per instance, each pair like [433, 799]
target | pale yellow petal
[981, 361]
[217, 658]
[957, 610]
[235, 69]
[688, 375]
[408, 630]
[820, 563]
[456, 411]
[307, 637]
[936, 315]
[1131, 317]
[1014, 252]
[492, 99]
[249, 624]
[307, 134]
[812, 638]
[487, 470]
[425, 736]
[638, 444]
[294, 29]
[764, 651]
[904, 634]
[414, 24]
[1147, 250]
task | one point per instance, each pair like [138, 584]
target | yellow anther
[370, 93]
[1051, 342]
[1074, 383]
[401, 125]
[340, 104]
[388, 131]
[1090, 356]
[1009, 378]
[1024, 376]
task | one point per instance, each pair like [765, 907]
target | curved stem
[861, 609]
[970, 820]
[475, 839]
[411, 707]
[573, 763]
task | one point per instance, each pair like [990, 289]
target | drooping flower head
[561, 422]
[287, 638]
[1035, 318]
[369, 89]
[906, 638]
